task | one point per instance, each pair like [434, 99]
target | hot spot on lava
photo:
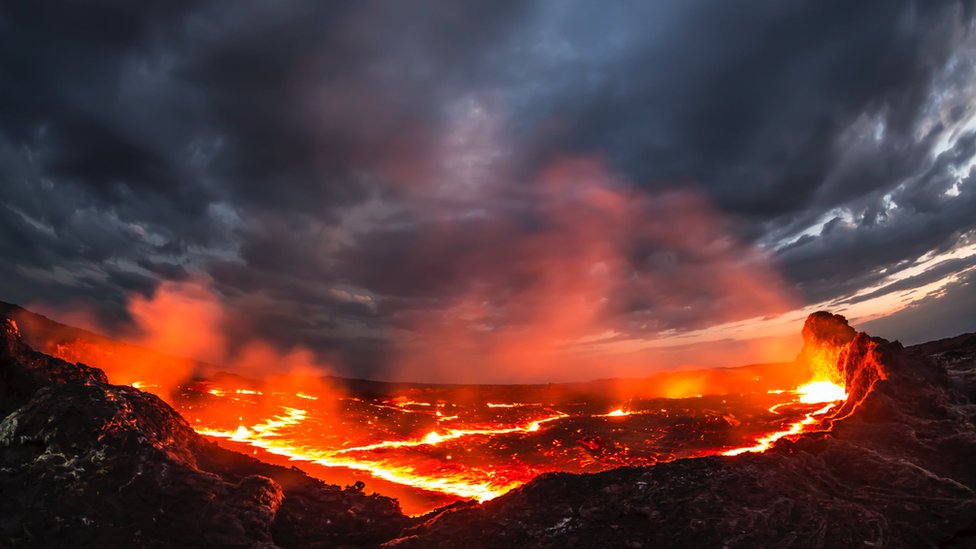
[814, 392]
[817, 392]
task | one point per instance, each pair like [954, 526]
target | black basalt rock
[87, 464]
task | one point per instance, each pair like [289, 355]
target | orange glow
[823, 365]
[814, 392]
[451, 442]
[617, 413]
[397, 459]
[417, 462]
[408, 403]
[472, 446]
[817, 392]
[548, 320]
[184, 319]
[766, 442]
[271, 435]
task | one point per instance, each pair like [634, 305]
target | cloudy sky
[445, 191]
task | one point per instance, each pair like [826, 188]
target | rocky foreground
[86, 463]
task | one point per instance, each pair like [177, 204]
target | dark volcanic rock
[957, 356]
[85, 463]
[896, 470]
[23, 370]
[826, 329]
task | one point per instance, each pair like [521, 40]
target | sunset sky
[492, 191]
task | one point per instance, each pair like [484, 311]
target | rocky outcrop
[824, 336]
[896, 470]
[86, 463]
[24, 371]
[824, 330]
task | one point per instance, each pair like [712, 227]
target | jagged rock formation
[824, 336]
[824, 330]
[86, 463]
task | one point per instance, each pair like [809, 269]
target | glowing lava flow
[483, 450]
[816, 392]
[434, 437]
[267, 436]
[619, 412]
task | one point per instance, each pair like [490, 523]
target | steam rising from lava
[569, 274]
[584, 279]
[186, 320]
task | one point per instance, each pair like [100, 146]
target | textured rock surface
[85, 463]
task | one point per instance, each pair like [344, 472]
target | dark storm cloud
[93, 148]
[325, 164]
[936, 273]
[855, 254]
[749, 102]
[944, 314]
[72, 94]
[312, 98]
[166, 271]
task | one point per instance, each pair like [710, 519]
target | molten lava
[617, 413]
[815, 392]
[430, 445]
[459, 448]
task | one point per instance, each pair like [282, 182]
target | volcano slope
[86, 463]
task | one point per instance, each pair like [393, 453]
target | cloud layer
[391, 185]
